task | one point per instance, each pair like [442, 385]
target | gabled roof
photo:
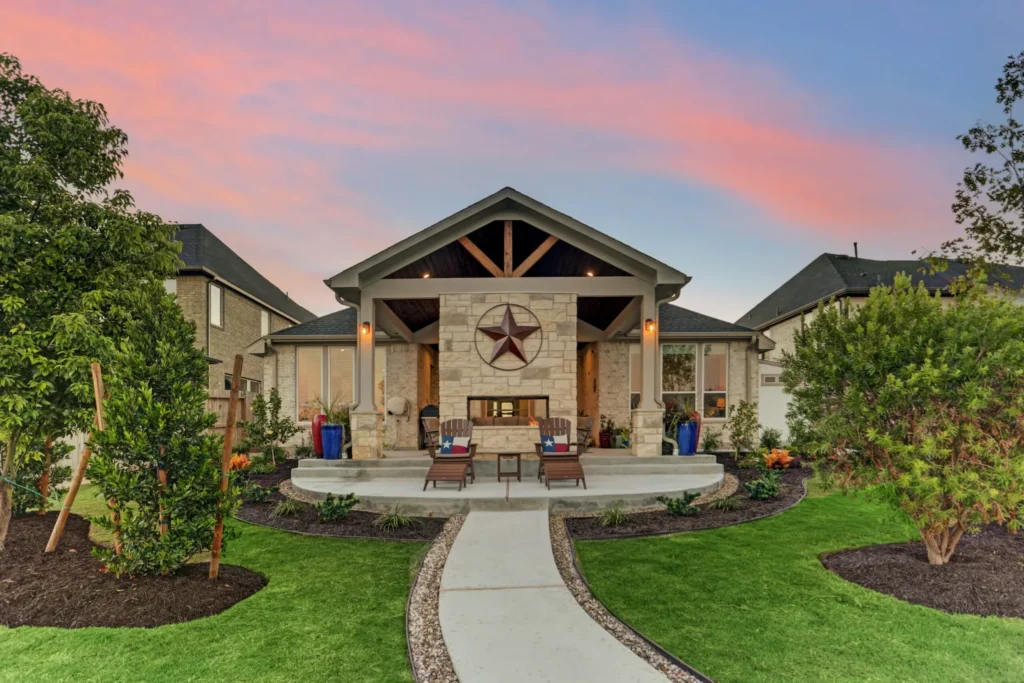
[837, 275]
[673, 320]
[509, 204]
[202, 251]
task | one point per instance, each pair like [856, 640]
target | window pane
[379, 375]
[685, 403]
[341, 359]
[227, 382]
[310, 359]
[215, 305]
[635, 368]
[678, 367]
[634, 401]
[264, 323]
[714, 366]
[714, 405]
[171, 286]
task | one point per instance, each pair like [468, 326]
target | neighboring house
[506, 312]
[847, 279]
[231, 304]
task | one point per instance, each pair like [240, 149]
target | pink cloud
[256, 112]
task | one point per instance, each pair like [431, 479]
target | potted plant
[604, 436]
[621, 437]
[335, 426]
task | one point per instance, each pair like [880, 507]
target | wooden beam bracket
[532, 259]
[480, 256]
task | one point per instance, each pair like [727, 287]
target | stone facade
[402, 431]
[784, 336]
[613, 382]
[463, 372]
[367, 440]
[648, 430]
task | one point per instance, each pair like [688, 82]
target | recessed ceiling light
[590, 273]
[426, 275]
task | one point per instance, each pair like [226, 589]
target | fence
[218, 404]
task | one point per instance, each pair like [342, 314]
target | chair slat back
[457, 428]
[586, 424]
[430, 429]
[554, 426]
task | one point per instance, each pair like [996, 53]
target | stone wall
[613, 382]
[402, 431]
[463, 372]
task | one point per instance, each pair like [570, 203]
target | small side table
[518, 472]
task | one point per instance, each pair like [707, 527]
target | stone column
[366, 418]
[648, 418]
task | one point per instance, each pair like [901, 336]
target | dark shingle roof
[200, 248]
[837, 273]
[678, 319]
[339, 322]
[672, 319]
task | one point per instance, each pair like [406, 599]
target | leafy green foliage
[157, 420]
[268, 429]
[681, 507]
[921, 403]
[727, 504]
[74, 257]
[260, 465]
[710, 441]
[765, 487]
[393, 520]
[30, 474]
[743, 426]
[289, 507]
[332, 509]
[613, 516]
[252, 492]
[771, 438]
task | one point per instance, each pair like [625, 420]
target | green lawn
[752, 603]
[334, 610]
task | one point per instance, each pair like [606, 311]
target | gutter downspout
[356, 372]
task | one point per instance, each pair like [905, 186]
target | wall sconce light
[365, 328]
[649, 325]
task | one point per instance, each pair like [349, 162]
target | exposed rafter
[508, 249]
[391, 323]
[480, 256]
[626, 320]
[532, 259]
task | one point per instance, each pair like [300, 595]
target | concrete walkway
[506, 615]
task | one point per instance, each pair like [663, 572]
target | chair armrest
[540, 450]
[472, 450]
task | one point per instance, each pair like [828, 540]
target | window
[171, 286]
[249, 386]
[679, 376]
[309, 380]
[264, 323]
[770, 380]
[342, 363]
[716, 358]
[216, 305]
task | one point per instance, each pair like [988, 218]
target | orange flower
[777, 459]
[239, 461]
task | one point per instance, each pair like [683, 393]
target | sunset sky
[734, 141]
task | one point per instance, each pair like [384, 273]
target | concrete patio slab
[506, 616]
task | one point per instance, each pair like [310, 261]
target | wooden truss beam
[532, 259]
[508, 248]
[480, 256]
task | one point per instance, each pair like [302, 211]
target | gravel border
[675, 669]
[428, 655]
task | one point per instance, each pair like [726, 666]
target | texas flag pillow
[454, 445]
[555, 444]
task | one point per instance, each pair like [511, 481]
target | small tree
[743, 426]
[268, 430]
[28, 495]
[157, 422]
[919, 403]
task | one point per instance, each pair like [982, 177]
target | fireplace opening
[507, 411]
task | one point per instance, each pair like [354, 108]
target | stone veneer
[613, 382]
[464, 373]
[401, 431]
[648, 430]
[367, 435]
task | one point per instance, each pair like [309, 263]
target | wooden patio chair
[454, 428]
[556, 426]
[584, 427]
[431, 425]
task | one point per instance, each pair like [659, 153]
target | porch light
[365, 328]
[590, 273]
[649, 325]
[426, 275]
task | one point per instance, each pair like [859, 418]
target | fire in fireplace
[507, 411]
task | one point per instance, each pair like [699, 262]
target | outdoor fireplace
[507, 411]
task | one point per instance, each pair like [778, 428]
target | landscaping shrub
[711, 441]
[392, 520]
[157, 420]
[287, 508]
[254, 493]
[777, 459]
[920, 403]
[613, 516]
[681, 507]
[771, 439]
[260, 465]
[304, 450]
[239, 461]
[27, 494]
[268, 429]
[332, 509]
[743, 426]
[727, 504]
[765, 487]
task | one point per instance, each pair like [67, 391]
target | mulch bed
[985, 576]
[654, 523]
[357, 524]
[69, 589]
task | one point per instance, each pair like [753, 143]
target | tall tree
[990, 199]
[72, 251]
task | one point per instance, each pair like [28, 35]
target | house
[230, 303]
[847, 279]
[505, 312]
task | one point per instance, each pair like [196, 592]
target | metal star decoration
[508, 337]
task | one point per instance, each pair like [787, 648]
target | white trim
[214, 286]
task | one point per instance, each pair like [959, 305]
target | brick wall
[613, 382]
[191, 296]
